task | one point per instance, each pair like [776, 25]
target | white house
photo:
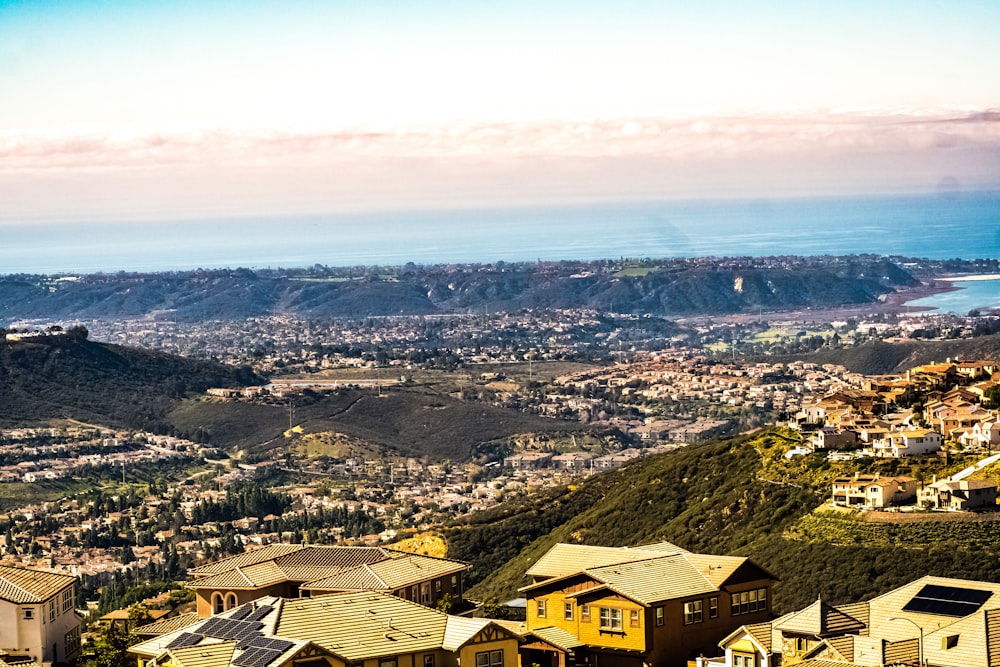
[37, 618]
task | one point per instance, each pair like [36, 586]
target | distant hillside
[411, 421]
[69, 376]
[731, 497]
[883, 358]
[656, 287]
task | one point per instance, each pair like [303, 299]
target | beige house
[907, 442]
[935, 621]
[871, 491]
[363, 629]
[966, 494]
[38, 622]
[289, 570]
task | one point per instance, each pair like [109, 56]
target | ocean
[965, 225]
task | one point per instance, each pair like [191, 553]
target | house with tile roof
[935, 621]
[654, 604]
[290, 570]
[38, 622]
[339, 630]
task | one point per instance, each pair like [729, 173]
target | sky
[167, 109]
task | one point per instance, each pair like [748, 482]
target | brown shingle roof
[21, 585]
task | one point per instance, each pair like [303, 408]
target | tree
[111, 647]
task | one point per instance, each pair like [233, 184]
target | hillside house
[38, 622]
[933, 621]
[962, 495]
[907, 442]
[289, 570]
[655, 604]
[874, 491]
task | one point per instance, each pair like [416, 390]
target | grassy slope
[412, 421]
[713, 498]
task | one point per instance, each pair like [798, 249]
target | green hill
[413, 421]
[63, 376]
[738, 496]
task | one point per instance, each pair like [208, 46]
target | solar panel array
[260, 612]
[242, 612]
[227, 628]
[947, 601]
[185, 639]
[256, 657]
[273, 643]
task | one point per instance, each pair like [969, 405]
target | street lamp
[920, 645]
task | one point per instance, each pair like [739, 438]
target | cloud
[96, 149]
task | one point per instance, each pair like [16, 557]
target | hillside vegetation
[881, 358]
[659, 287]
[70, 376]
[738, 496]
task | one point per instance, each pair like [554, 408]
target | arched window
[218, 605]
[231, 601]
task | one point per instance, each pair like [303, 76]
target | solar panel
[947, 601]
[184, 639]
[260, 613]
[225, 628]
[280, 645]
[241, 612]
[256, 657]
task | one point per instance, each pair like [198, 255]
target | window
[693, 612]
[659, 616]
[713, 607]
[429, 660]
[29, 614]
[218, 604]
[454, 580]
[749, 602]
[585, 613]
[71, 641]
[540, 608]
[801, 644]
[743, 660]
[489, 659]
[231, 601]
[387, 662]
[67, 600]
[425, 593]
[568, 611]
[52, 610]
[633, 618]
[437, 585]
[611, 618]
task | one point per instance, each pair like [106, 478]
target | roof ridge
[20, 588]
[245, 577]
[372, 572]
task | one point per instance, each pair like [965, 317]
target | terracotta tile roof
[388, 575]
[269, 552]
[249, 577]
[558, 638]
[166, 625]
[21, 585]
[361, 625]
[564, 559]
[213, 655]
[820, 619]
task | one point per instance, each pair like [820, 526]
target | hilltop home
[656, 604]
[38, 622]
[360, 629]
[933, 621]
[966, 494]
[290, 570]
[907, 442]
[874, 490]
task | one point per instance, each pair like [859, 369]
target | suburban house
[629, 606]
[966, 494]
[907, 442]
[343, 629]
[38, 621]
[934, 621]
[871, 491]
[981, 435]
[289, 570]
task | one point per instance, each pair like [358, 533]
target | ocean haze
[941, 226]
